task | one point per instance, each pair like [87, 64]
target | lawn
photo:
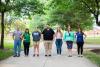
[93, 57]
[8, 51]
[92, 40]
[5, 54]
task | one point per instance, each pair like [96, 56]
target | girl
[58, 36]
[80, 41]
[36, 40]
[26, 41]
[69, 38]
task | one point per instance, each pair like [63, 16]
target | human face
[27, 30]
[69, 29]
[47, 26]
[17, 29]
[58, 28]
[79, 30]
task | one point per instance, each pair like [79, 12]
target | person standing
[26, 41]
[48, 35]
[17, 36]
[69, 38]
[58, 36]
[36, 40]
[80, 42]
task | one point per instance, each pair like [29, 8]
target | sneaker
[78, 55]
[18, 55]
[50, 55]
[70, 56]
[45, 55]
[38, 55]
[81, 55]
[33, 55]
[15, 56]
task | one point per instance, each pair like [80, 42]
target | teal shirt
[26, 37]
[68, 36]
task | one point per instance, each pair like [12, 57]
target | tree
[38, 21]
[17, 6]
[93, 7]
[66, 12]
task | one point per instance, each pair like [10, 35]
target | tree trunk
[97, 20]
[2, 30]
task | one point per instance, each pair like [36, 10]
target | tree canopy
[77, 13]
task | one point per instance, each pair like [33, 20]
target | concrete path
[42, 61]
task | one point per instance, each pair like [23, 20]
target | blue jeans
[17, 47]
[59, 45]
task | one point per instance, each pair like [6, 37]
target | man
[48, 34]
[17, 36]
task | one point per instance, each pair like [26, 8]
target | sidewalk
[42, 61]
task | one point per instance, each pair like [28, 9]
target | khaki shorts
[48, 42]
[36, 42]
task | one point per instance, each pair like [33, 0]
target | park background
[37, 13]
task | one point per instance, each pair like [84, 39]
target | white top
[58, 35]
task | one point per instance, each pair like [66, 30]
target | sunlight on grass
[92, 40]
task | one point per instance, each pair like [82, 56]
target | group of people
[48, 35]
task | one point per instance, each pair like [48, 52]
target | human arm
[64, 36]
[13, 35]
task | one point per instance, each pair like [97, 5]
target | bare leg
[34, 50]
[37, 47]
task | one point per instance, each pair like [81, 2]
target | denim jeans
[17, 47]
[59, 45]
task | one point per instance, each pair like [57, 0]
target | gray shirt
[17, 35]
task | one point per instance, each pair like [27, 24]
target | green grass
[92, 40]
[8, 45]
[5, 54]
[93, 57]
[8, 51]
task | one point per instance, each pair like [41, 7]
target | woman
[80, 41]
[26, 41]
[36, 40]
[69, 38]
[58, 36]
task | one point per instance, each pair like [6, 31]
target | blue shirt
[36, 36]
[79, 37]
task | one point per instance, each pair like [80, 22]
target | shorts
[69, 44]
[48, 42]
[36, 42]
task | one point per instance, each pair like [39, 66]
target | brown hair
[28, 30]
[81, 30]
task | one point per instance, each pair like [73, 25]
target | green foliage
[93, 57]
[65, 12]
[5, 54]
[38, 21]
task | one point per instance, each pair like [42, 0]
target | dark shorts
[69, 44]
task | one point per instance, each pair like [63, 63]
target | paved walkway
[54, 61]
